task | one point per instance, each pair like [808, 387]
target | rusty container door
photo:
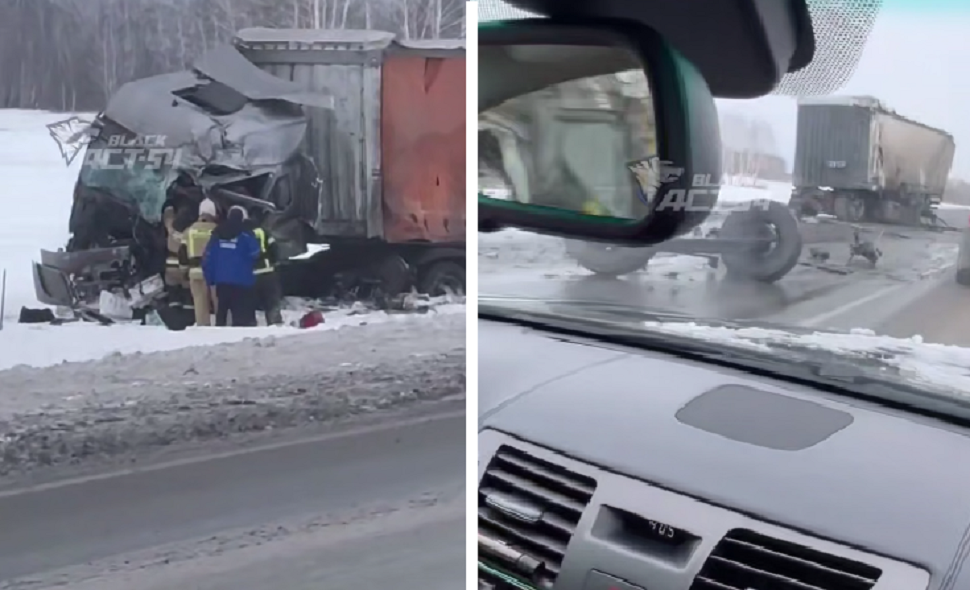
[423, 142]
[344, 143]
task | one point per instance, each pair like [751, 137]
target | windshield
[137, 173]
[875, 175]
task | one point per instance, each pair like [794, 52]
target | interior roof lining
[725, 39]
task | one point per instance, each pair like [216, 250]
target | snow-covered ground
[125, 405]
[42, 345]
[36, 197]
[940, 366]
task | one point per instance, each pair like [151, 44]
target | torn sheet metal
[257, 133]
[224, 121]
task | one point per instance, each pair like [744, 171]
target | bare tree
[71, 55]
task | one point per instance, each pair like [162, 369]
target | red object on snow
[311, 319]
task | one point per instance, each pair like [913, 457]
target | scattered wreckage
[764, 241]
[760, 243]
[350, 139]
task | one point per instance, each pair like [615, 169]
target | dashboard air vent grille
[532, 505]
[745, 559]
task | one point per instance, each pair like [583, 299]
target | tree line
[71, 55]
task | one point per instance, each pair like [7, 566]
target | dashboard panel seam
[504, 403]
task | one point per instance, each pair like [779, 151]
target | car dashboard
[611, 468]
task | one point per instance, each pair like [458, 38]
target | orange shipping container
[391, 154]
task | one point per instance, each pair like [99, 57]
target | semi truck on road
[860, 161]
[354, 140]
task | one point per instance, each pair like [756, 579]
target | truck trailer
[353, 140]
[858, 160]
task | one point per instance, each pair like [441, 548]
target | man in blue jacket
[228, 266]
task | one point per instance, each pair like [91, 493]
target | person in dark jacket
[269, 293]
[227, 265]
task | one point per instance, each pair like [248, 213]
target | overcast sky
[917, 65]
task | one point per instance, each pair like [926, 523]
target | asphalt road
[909, 291]
[378, 507]
[940, 314]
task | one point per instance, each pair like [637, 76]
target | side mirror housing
[596, 130]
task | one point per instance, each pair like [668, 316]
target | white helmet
[207, 207]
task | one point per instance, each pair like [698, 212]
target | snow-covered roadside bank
[125, 404]
[42, 345]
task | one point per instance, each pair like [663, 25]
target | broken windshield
[133, 170]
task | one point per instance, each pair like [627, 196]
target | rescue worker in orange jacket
[194, 241]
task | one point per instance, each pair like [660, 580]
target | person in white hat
[194, 242]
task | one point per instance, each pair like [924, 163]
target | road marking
[828, 315]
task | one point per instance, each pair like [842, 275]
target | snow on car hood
[941, 367]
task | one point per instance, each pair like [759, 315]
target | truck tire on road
[851, 208]
[763, 265]
[608, 260]
[442, 278]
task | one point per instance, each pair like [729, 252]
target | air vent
[745, 559]
[532, 505]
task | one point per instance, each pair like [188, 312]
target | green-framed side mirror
[594, 130]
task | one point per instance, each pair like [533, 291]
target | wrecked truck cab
[225, 130]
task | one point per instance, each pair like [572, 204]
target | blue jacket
[229, 260]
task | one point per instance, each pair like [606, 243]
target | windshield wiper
[840, 378]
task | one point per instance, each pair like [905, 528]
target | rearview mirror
[594, 131]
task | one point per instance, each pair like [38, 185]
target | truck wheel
[443, 278]
[851, 208]
[765, 264]
[608, 260]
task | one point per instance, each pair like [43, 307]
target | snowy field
[36, 196]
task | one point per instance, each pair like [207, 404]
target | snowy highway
[910, 292]
[382, 506]
[301, 461]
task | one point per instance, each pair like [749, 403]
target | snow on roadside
[127, 404]
[940, 366]
[35, 194]
[44, 345]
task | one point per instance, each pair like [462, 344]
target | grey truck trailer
[858, 160]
